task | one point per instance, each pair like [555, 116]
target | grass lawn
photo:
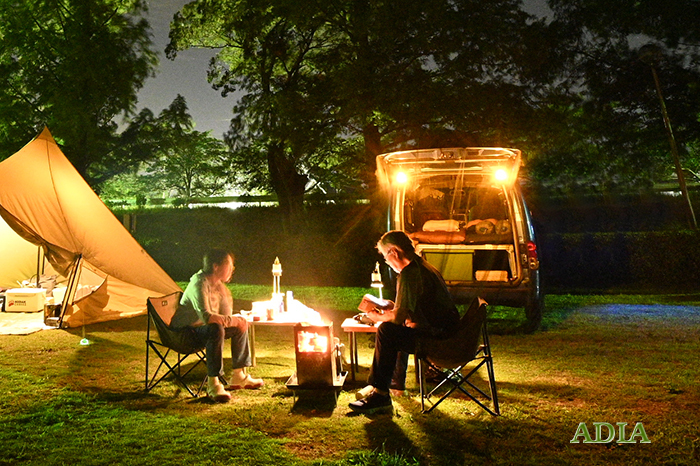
[614, 359]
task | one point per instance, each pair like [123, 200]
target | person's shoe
[248, 383]
[216, 391]
[364, 392]
[397, 389]
[374, 403]
[434, 376]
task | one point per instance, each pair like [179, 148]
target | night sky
[186, 75]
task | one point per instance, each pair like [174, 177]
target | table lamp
[276, 276]
[377, 280]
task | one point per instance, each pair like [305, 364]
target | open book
[370, 302]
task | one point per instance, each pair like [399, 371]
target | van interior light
[501, 175]
[401, 177]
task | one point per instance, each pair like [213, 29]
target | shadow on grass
[504, 326]
[149, 402]
[315, 403]
[461, 432]
[448, 445]
[385, 435]
[511, 321]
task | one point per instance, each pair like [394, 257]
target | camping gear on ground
[25, 299]
[52, 315]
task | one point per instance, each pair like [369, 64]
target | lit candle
[277, 267]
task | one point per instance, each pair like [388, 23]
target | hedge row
[335, 247]
[644, 261]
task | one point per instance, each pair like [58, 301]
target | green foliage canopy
[179, 159]
[73, 65]
[603, 126]
[395, 74]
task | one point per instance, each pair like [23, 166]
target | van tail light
[532, 258]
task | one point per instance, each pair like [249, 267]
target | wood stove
[318, 358]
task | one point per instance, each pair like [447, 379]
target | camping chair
[160, 314]
[469, 344]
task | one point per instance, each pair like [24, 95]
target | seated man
[206, 310]
[423, 308]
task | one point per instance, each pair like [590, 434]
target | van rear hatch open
[458, 206]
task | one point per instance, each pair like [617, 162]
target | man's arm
[203, 307]
[383, 314]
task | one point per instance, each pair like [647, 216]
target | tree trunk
[288, 185]
[378, 204]
[373, 147]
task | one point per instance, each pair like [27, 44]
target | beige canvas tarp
[18, 258]
[46, 202]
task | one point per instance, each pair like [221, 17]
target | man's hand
[384, 314]
[389, 306]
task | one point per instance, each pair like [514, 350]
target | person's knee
[215, 331]
[391, 335]
[387, 329]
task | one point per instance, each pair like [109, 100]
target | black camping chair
[160, 314]
[469, 344]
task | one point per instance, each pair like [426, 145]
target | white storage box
[25, 299]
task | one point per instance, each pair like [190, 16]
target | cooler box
[454, 265]
[25, 299]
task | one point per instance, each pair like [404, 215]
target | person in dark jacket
[423, 308]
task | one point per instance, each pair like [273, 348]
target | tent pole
[38, 265]
[72, 285]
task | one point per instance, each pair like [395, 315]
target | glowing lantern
[276, 277]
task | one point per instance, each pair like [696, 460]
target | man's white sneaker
[216, 391]
[247, 382]
[363, 393]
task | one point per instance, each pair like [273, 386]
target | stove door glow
[312, 342]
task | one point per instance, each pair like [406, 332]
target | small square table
[352, 328]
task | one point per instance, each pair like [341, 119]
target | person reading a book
[423, 308]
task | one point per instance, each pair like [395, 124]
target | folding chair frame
[174, 369]
[457, 381]
[163, 351]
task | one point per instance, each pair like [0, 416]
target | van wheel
[534, 307]
[533, 313]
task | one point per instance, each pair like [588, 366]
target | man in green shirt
[206, 310]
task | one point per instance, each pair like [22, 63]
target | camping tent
[18, 257]
[46, 203]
